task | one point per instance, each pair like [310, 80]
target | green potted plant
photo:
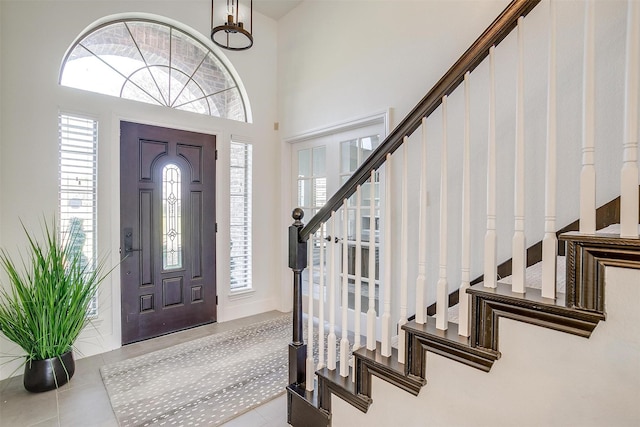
[44, 305]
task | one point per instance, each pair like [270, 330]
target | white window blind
[77, 187]
[240, 218]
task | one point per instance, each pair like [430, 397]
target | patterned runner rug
[203, 382]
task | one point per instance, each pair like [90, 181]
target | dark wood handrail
[478, 51]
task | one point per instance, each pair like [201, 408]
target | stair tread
[532, 295]
[376, 357]
[533, 276]
[389, 368]
[429, 329]
[450, 344]
[609, 236]
[333, 375]
[309, 396]
[449, 337]
[343, 387]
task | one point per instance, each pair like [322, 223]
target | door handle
[128, 242]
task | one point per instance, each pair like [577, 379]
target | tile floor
[83, 402]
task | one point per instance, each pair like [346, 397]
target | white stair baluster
[404, 251]
[491, 238]
[629, 174]
[344, 341]
[421, 311]
[550, 241]
[442, 288]
[588, 172]
[321, 362]
[371, 312]
[386, 316]
[519, 242]
[331, 338]
[358, 271]
[465, 273]
[310, 370]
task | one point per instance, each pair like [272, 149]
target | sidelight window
[77, 188]
[240, 216]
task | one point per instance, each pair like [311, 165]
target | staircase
[397, 352]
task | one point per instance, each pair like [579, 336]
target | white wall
[344, 59]
[34, 38]
[544, 377]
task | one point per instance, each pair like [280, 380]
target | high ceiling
[274, 9]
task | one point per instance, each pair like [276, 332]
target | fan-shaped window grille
[154, 62]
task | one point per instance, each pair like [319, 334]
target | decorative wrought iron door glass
[171, 218]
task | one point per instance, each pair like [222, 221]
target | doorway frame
[383, 118]
[114, 228]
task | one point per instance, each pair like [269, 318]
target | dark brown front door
[167, 215]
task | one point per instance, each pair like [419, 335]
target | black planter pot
[48, 374]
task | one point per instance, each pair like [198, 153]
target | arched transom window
[154, 62]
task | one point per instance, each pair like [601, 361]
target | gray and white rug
[204, 382]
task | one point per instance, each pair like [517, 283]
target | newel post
[297, 263]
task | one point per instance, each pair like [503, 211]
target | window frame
[199, 41]
[70, 163]
[245, 221]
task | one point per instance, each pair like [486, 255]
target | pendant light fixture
[232, 34]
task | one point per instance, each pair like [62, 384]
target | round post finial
[297, 215]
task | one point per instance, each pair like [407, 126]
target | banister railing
[443, 253]
[299, 233]
[479, 50]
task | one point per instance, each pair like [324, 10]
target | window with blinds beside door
[240, 216]
[78, 139]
